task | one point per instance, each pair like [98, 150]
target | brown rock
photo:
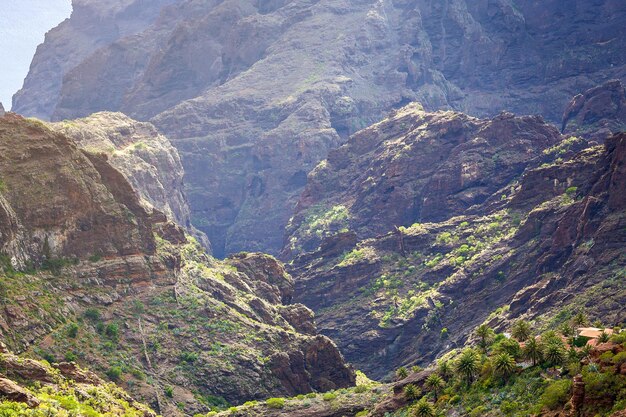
[145, 157]
[300, 317]
[415, 167]
[13, 392]
[598, 112]
[318, 359]
[578, 396]
[61, 202]
[73, 372]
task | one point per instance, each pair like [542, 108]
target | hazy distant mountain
[23, 24]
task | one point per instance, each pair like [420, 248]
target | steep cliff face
[146, 158]
[231, 82]
[87, 274]
[60, 202]
[414, 167]
[543, 233]
[597, 112]
[92, 25]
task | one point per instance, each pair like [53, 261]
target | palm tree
[401, 373]
[604, 337]
[566, 330]
[533, 350]
[435, 384]
[445, 370]
[572, 355]
[521, 330]
[554, 352]
[467, 365]
[423, 409]
[580, 319]
[585, 351]
[504, 365]
[549, 337]
[485, 334]
[411, 392]
[510, 346]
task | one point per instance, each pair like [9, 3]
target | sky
[23, 24]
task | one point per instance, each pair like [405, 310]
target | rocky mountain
[499, 220]
[414, 167]
[146, 159]
[88, 275]
[231, 81]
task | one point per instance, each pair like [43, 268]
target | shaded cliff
[231, 82]
[597, 112]
[89, 275]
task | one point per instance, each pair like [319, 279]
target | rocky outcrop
[13, 392]
[414, 167]
[81, 259]
[2, 112]
[78, 387]
[546, 232]
[254, 97]
[146, 158]
[598, 112]
[58, 202]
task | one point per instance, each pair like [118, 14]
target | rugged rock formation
[21, 384]
[92, 25]
[414, 167]
[525, 245]
[597, 112]
[2, 112]
[60, 202]
[145, 157]
[254, 93]
[88, 274]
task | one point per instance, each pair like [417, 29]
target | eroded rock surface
[146, 158]
[598, 112]
[414, 166]
[89, 274]
[254, 94]
[545, 229]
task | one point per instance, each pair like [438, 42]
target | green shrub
[311, 395]
[70, 357]
[112, 331]
[329, 396]
[556, 394]
[72, 330]
[401, 373]
[619, 338]
[275, 403]
[189, 357]
[92, 314]
[96, 257]
[114, 373]
[620, 358]
[412, 392]
[169, 391]
[359, 389]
